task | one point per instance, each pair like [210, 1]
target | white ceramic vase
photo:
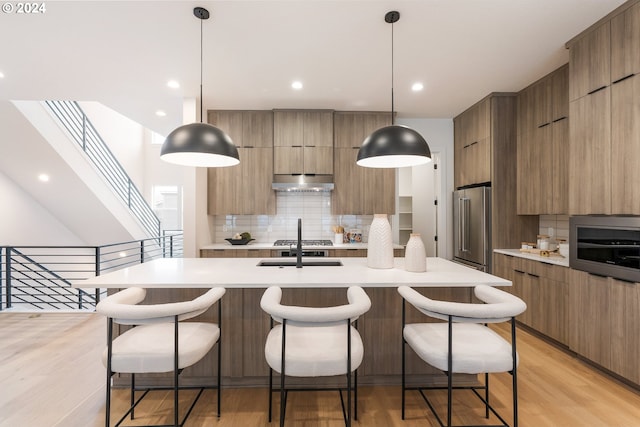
[380, 246]
[415, 255]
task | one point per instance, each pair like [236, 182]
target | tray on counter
[239, 241]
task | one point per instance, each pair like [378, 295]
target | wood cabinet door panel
[625, 321]
[625, 43]
[257, 128]
[559, 82]
[318, 160]
[590, 154]
[589, 62]
[257, 195]
[347, 197]
[625, 146]
[288, 128]
[288, 160]
[559, 173]
[224, 186]
[318, 129]
[589, 311]
[348, 130]
[230, 122]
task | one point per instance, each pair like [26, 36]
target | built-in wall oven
[606, 246]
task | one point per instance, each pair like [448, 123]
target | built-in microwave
[606, 246]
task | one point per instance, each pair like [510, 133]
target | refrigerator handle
[465, 224]
[460, 225]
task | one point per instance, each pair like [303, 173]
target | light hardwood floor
[51, 376]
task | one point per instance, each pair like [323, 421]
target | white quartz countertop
[555, 260]
[257, 245]
[244, 273]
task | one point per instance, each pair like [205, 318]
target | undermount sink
[305, 263]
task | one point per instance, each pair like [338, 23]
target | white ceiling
[122, 53]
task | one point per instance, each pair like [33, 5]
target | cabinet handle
[561, 118]
[248, 146]
[623, 78]
[296, 146]
[356, 148]
[518, 271]
[596, 90]
[310, 146]
[541, 126]
[534, 275]
[598, 275]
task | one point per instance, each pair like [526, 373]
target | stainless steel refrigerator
[472, 227]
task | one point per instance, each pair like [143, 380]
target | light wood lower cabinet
[605, 319]
[625, 337]
[544, 288]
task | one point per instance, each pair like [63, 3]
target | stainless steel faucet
[299, 245]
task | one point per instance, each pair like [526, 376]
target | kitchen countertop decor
[555, 260]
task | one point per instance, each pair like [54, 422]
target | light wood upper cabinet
[625, 43]
[244, 189]
[604, 145]
[472, 145]
[625, 146]
[359, 190]
[589, 59]
[543, 141]
[303, 142]
[590, 154]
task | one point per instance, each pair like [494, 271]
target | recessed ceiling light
[297, 85]
[173, 84]
[417, 87]
[160, 113]
[43, 177]
[1, 75]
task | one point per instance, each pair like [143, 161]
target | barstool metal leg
[449, 371]
[219, 355]
[107, 420]
[514, 376]
[404, 343]
[283, 395]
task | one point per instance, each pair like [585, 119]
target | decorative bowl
[239, 241]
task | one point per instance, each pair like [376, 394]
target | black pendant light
[393, 146]
[200, 144]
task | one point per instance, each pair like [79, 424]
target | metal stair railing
[42, 277]
[82, 131]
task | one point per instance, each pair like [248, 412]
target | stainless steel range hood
[302, 183]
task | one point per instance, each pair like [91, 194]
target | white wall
[124, 137]
[27, 222]
[439, 135]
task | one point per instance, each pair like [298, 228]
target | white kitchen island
[244, 273]
[245, 325]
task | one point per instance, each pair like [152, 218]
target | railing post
[7, 273]
[129, 192]
[84, 132]
[171, 246]
[141, 251]
[97, 269]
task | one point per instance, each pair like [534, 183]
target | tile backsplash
[314, 208]
[556, 226]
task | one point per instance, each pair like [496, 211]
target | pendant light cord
[201, 70]
[392, 105]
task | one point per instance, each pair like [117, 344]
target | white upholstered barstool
[464, 344]
[316, 342]
[159, 341]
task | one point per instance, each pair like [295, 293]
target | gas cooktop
[304, 243]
